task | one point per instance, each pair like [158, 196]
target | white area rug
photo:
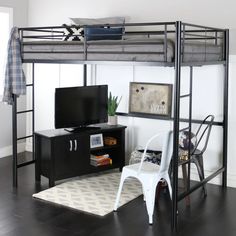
[95, 194]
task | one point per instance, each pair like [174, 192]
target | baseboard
[7, 151]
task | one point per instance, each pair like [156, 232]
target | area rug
[94, 194]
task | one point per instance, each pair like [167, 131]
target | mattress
[143, 50]
[200, 52]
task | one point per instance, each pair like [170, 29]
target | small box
[110, 141]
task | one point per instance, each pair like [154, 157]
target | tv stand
[83, 128]
[60, 154]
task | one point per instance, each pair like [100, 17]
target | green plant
[113, 103]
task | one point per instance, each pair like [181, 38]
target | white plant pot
[112, 120]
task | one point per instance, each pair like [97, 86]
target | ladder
[15, 138]
[178, 59]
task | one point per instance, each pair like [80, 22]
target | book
[101, 163]
[99, 157]
[100, 160]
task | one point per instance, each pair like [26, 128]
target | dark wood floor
[20, 214]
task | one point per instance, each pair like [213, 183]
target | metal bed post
[14, 140]
[33, 109]
[85, 74]
[176, 124]
[225, 108]
[190, 122]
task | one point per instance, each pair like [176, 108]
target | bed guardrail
[208, 40]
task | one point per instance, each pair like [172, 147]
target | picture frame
[96, 140]
[148, 99]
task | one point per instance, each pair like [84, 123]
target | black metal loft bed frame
[181, 33]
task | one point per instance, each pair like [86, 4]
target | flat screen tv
[78, 107]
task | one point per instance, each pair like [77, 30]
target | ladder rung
[25, 163]
[27, 85]
[185, 95]
[29, 136]
[20, 112]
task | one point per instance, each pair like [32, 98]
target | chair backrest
[204, 130]
[167, 151]
[167, 147]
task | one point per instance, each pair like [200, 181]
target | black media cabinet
[60, 154]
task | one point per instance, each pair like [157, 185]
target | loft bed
[173, 44]
[150, 44]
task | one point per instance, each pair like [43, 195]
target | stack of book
[100, 160]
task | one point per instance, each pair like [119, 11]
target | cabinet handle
[75, 145]
[71, 145]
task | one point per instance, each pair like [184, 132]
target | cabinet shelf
[106, 147]
[105, 167]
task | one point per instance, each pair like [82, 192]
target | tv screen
[80, 106]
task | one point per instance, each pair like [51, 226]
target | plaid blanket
[14, 75]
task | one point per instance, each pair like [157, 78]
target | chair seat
[147, 168]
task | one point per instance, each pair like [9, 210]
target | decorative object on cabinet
[96, 140]
[113, 103]
[110, 141]
[150, 98]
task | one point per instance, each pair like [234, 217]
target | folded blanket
[14, 76]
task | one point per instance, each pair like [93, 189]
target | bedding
[140, 49]
[102, 50]
[202, 52]
[92, 32]
[102, 21]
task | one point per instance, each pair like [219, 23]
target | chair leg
[185, 177]
[150, 192]
[122, 179]
[158, 189]
[169, 186]
[198, 161]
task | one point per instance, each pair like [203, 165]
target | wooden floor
[20, 214]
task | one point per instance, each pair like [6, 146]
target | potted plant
[113, 104]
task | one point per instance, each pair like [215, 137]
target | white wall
[207, 98]
[20, 13]
[216, 13]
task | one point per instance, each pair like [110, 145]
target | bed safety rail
[139, 42]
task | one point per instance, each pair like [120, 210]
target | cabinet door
[71, 155]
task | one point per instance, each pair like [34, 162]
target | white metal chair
[150, 174]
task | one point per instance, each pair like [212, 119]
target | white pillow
[102, 21]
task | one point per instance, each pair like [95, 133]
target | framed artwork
[96, 140]
[150, 98]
